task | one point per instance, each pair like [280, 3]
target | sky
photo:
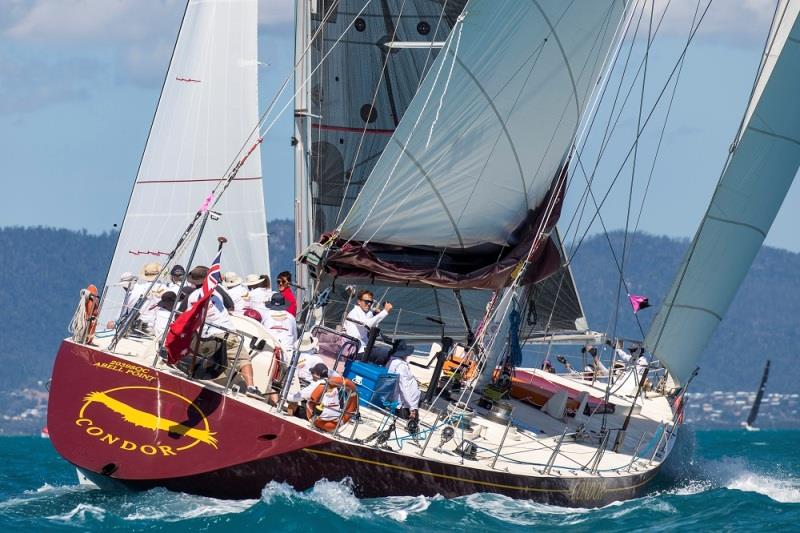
[80, 79]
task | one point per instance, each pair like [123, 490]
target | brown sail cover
[488, 268]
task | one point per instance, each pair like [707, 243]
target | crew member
[361, 318]
[407, 392]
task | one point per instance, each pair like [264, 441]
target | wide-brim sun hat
[251, 280]
[197, 275]
[231, 279]
[309, 343]
[150, 271]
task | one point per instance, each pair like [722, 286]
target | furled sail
[206, 113]
[757, 177]
[469, 169]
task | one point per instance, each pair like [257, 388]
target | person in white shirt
[308, 357]
[318, 374]
[147, 312]
[407, 393]
[236, 290]
[163, 311]
[281, 325]
[218, 315]
[361, 318]
[176, 275]
[259, 284]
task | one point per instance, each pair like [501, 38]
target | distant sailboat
[751, 418]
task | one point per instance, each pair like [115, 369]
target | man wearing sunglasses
[361, 318]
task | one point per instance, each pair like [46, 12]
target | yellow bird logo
[147, 420]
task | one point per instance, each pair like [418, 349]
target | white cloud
[733, 22]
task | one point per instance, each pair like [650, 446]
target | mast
[751, 418]
[302, 140]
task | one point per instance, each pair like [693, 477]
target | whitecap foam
[277, 491]
[520, 512]
[80, 514]
[45, 491]
[691, 488]
[337, 496]
[780, 490]
[160, 504]
[399, 507]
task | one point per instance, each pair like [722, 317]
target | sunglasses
[368, 302]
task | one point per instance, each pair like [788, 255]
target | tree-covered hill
[45, 269]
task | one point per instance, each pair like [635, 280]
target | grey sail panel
[413, 306]
[552, 305]
[348, 132]
[747, 198]
[490, 128]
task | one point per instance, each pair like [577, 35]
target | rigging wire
[768, 43]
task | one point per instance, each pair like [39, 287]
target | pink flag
[206, 203]
[638, 302]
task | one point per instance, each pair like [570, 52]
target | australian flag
[187, 327]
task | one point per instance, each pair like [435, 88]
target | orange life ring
[349, 410]
[91, 309]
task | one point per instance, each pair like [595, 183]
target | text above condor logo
[160, 435]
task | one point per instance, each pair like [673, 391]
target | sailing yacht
[749, 424]
[435, 180]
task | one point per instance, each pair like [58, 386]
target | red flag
[186, 326]
[638, 302]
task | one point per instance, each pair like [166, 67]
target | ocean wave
[336, 496]
[43, 492]
[160, 504]
[520, 512]
[399, 507]
[80, 514]
[780, 490]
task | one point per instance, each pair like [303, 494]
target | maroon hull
[103, 411]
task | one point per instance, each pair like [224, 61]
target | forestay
[206, 113]
[484, 138]
[743, 207]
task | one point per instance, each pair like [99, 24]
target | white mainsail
[752, 187]
[490, 127]
[205, 118]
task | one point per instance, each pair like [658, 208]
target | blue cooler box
[374, 383]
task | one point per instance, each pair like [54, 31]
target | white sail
[206, 113]
[744, 205]
[490, 127]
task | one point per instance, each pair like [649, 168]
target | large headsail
[758, 174]
[206, 114]
[471, 166]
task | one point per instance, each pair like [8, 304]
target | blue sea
[717, 480]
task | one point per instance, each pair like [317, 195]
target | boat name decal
[127, 368]
[110, 408]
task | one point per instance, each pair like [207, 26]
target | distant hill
[45, 268]
[762, 322]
